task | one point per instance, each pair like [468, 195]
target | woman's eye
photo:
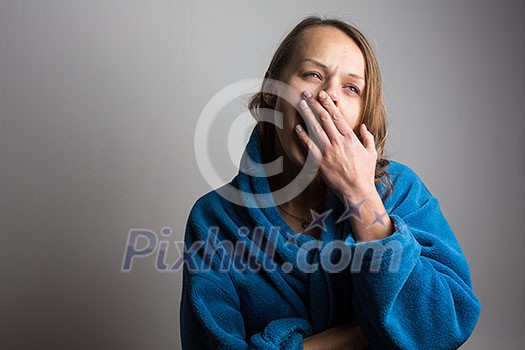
[312, 74]
[353, 89]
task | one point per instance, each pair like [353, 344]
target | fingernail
[322, 95]
[307, 94]
[299, 128]
[303, 104]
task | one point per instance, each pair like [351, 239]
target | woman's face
[325, 59]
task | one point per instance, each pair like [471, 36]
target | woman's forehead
[330, 46]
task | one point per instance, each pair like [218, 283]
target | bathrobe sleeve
[413, 288]
[211, 319]
[210, 308]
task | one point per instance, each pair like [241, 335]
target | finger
[325, 119]
[337, 119]
[307, 142]
[368, 138]
[315, 129]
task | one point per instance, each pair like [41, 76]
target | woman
[272, 273]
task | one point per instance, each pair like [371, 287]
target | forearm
[347, 336]
[368, 216]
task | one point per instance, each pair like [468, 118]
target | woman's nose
[332, 92]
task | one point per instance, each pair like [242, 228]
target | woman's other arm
[210, 308]
[344, 337]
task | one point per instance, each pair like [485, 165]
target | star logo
[378, 219]
[291, 238]
[351, 209]
[318, 220]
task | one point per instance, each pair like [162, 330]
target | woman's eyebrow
[356, 76]
[314, 61]
[317, 63]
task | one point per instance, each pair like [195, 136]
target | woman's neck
[310, 198]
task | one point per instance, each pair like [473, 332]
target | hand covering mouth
[301, 122]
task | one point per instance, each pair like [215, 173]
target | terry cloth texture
[245, 285]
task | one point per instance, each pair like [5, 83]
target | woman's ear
[269, 98]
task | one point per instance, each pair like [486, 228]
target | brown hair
[374, 112]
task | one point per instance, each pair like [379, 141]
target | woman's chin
[300, 157]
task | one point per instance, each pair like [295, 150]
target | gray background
[98, 106]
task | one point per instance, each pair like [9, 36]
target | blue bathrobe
[250, 282]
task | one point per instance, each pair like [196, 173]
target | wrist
[359, 193]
